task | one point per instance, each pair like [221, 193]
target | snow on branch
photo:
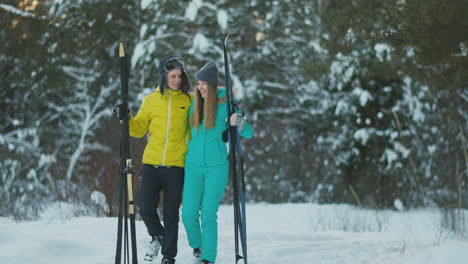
[276, 85]
[90, 112]
[97, 146]
[17, 139]
[79, 74]
[15, 11]
[19, 12]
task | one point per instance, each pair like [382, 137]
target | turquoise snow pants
[203, 191]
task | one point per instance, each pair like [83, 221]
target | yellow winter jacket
[167, 121]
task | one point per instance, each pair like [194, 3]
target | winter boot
[153, 248]
[197, 252]
[167, 261]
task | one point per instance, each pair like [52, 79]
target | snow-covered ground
[282, 233]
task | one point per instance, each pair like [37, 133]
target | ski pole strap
[238, 110]
[128, 167]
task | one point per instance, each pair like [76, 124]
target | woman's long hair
[205, 108]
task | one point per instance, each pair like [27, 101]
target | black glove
[120, 112]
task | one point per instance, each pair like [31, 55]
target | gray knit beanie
[209, 74]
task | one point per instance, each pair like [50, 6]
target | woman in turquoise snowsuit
[206, 163]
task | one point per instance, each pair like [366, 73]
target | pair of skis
[126, 205]
[236, 165]
[236, 172]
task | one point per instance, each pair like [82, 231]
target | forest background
[362, 102]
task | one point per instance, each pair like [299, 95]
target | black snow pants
[170, 180]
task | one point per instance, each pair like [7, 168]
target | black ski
[236, 166]
[126, 206]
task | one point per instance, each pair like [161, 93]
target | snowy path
[277, 234]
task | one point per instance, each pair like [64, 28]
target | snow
[315, 44]
[342, 70]
[364, 96]
[362, 135]
[100, 199]
[138, 52]
[401, 149]
[143, 30]
[15, 10]
[398, 204]
[382, 51]
[200, 44]
[45, 159]
[343, 107]
[277, 233]
[446, 253]
[350, 37]
[414, 101]
[192, 9]
[390, 156]
[431, 149]
[145, 3]
[222, 17]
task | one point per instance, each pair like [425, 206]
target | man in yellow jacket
[163, 115]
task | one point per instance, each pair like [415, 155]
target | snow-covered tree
[25, 73]
[61, 79]
[389, 60]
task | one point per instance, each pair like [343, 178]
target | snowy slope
[284, 233]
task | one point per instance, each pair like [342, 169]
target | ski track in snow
[277, 234]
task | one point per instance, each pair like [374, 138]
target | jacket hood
[185, 84]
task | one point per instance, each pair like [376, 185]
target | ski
[126, 205]
[236, 165]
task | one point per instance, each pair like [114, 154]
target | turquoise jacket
[206, 146]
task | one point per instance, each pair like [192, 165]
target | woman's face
[174, 78]
[202, 88]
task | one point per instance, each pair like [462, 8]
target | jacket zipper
[167, 128]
